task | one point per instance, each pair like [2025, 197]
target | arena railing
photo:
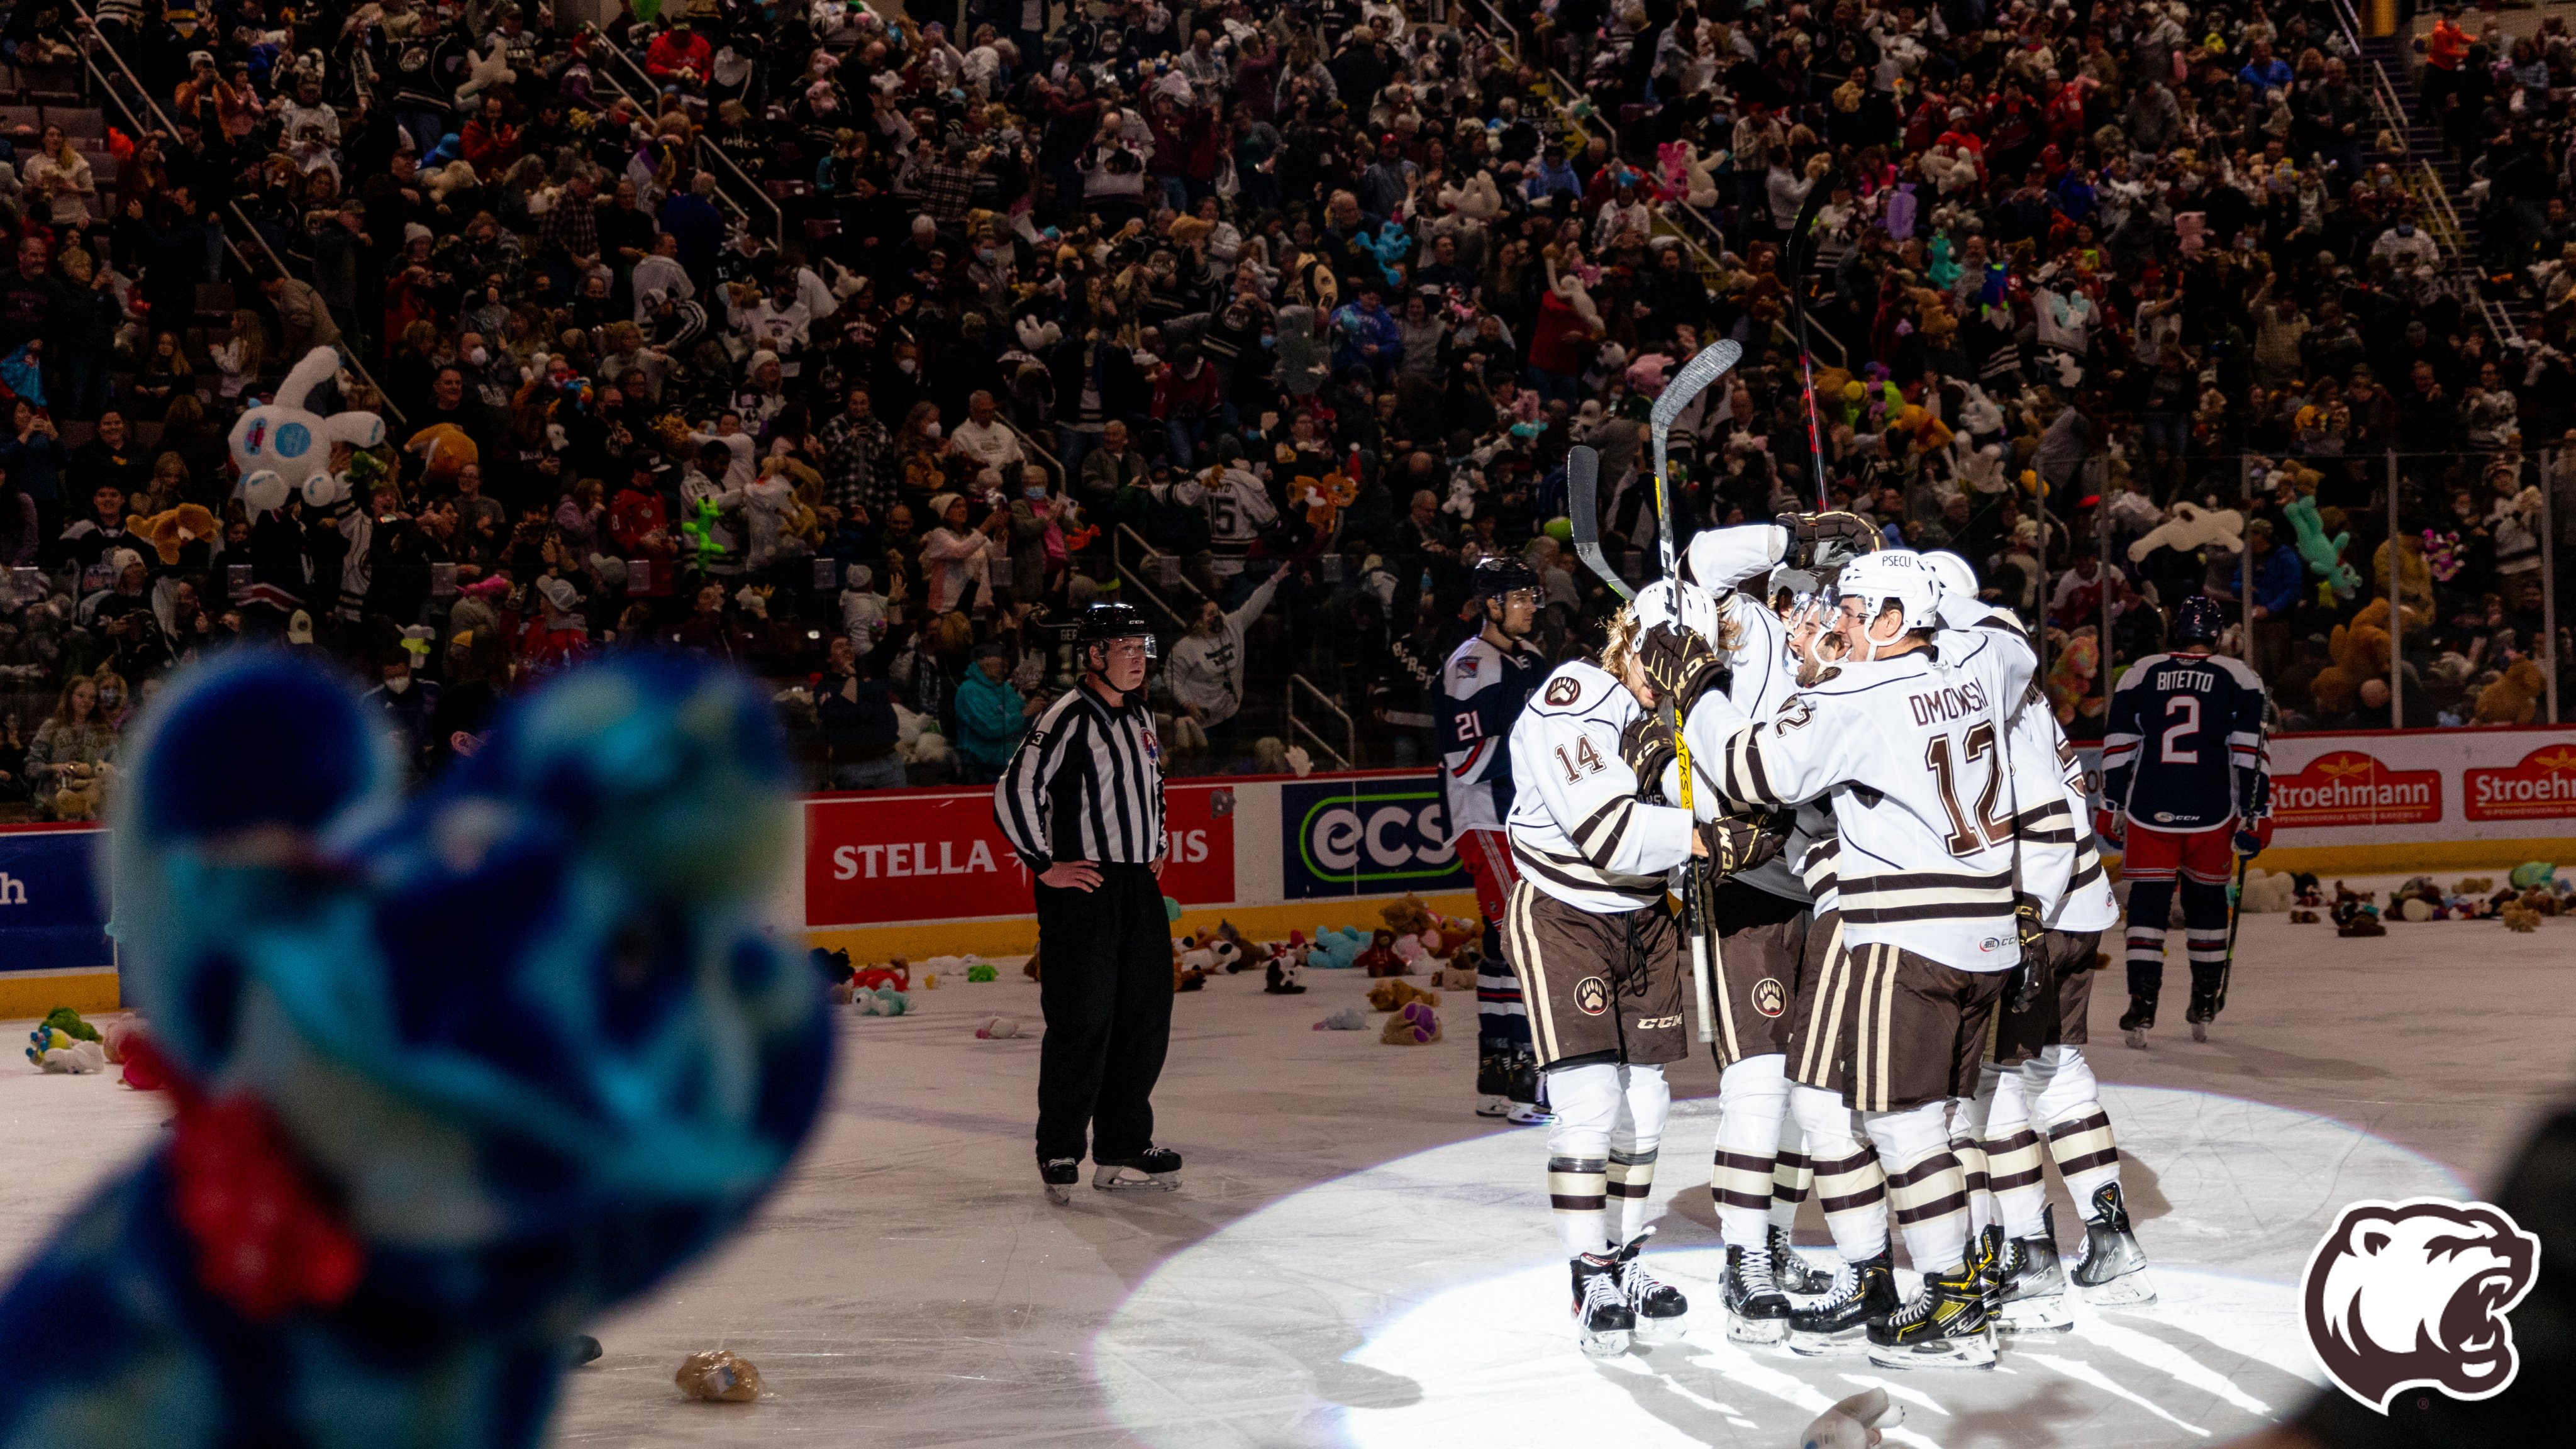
[231, 222]
[1298, 683]
[708, 156]
[2421, 179]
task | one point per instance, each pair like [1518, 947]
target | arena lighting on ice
[1419, 1303]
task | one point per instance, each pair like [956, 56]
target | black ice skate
[1794, 1274]
[1756, 1310]
[1060, 1174]
[1861, 1292]
[1944, 1327]
[2206, 1003]
[1157, 1169]
[2139, 1019]
[2114, 1270]
[1657, 1307]
[2034, 1282]
[1603, 1321]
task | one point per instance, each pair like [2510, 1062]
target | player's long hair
[1621, 643]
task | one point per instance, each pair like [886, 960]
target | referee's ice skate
[1061, 1175]
[1156, 1169]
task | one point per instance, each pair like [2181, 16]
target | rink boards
[2401, 801]
[926, 872]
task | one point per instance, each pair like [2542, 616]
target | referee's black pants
[1105, 984]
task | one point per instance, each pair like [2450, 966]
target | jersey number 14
[1970, 834]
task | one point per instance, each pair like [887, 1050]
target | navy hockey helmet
[2198, 620]
[1500, 574]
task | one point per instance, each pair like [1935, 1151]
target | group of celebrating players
[1828, 760]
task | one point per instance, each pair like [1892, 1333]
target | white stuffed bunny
[285, 446]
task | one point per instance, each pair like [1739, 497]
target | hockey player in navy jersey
[1482, 689]
[2184, 778]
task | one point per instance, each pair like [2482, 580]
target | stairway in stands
[54, 98]
[2424, 146]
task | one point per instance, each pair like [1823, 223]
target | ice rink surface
[1357, 1259]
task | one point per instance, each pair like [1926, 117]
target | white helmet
[1897, 577]
[1672, 601]
[1953, 572]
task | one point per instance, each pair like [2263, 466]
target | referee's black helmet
[1102, 623]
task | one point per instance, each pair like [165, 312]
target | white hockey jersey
[2059, 864]
[1909, 749]
[1239, 507]
[1762, 679]
[1577, 828]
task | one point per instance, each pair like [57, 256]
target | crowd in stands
[864, 347]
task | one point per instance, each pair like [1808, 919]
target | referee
[1082, 802]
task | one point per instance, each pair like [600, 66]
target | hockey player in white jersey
[2038, 1090]
[1759, 1172]
[2038, 1072]
[1904, 737]
[1591, 935]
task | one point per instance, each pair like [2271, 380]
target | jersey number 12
[1969, 834]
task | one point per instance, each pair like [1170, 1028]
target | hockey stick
[1705, 367]
[1802, 248]
[2226, 963]
[1583, 510]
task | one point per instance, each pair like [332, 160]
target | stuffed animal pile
[453, 1074]
[2532, 894]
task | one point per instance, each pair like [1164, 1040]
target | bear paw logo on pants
[2413, 1294]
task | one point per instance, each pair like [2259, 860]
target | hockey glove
[1680, 663]
[1738, 843]
[2022, 989]
[1827, 540]
[2106, 828]
[2253, 837]
[1647, 747]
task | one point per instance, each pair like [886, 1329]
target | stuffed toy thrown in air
[454, 1073]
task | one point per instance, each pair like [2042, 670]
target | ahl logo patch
[2413, 1294]
[1592, 996]
[1770, 997]
[1561, 692]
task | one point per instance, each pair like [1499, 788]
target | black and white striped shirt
[1087, 784]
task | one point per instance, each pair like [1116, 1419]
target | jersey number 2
[1969, 834]
[2188, 706]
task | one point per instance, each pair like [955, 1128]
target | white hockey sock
[1646, 1100]
[2013, 1170]
[1587, 1104]
[1849, 1186]
[1925, 1183]
[1793, 1175]
[1752, 1102]
[2070, 1112]
[1967, 1143]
